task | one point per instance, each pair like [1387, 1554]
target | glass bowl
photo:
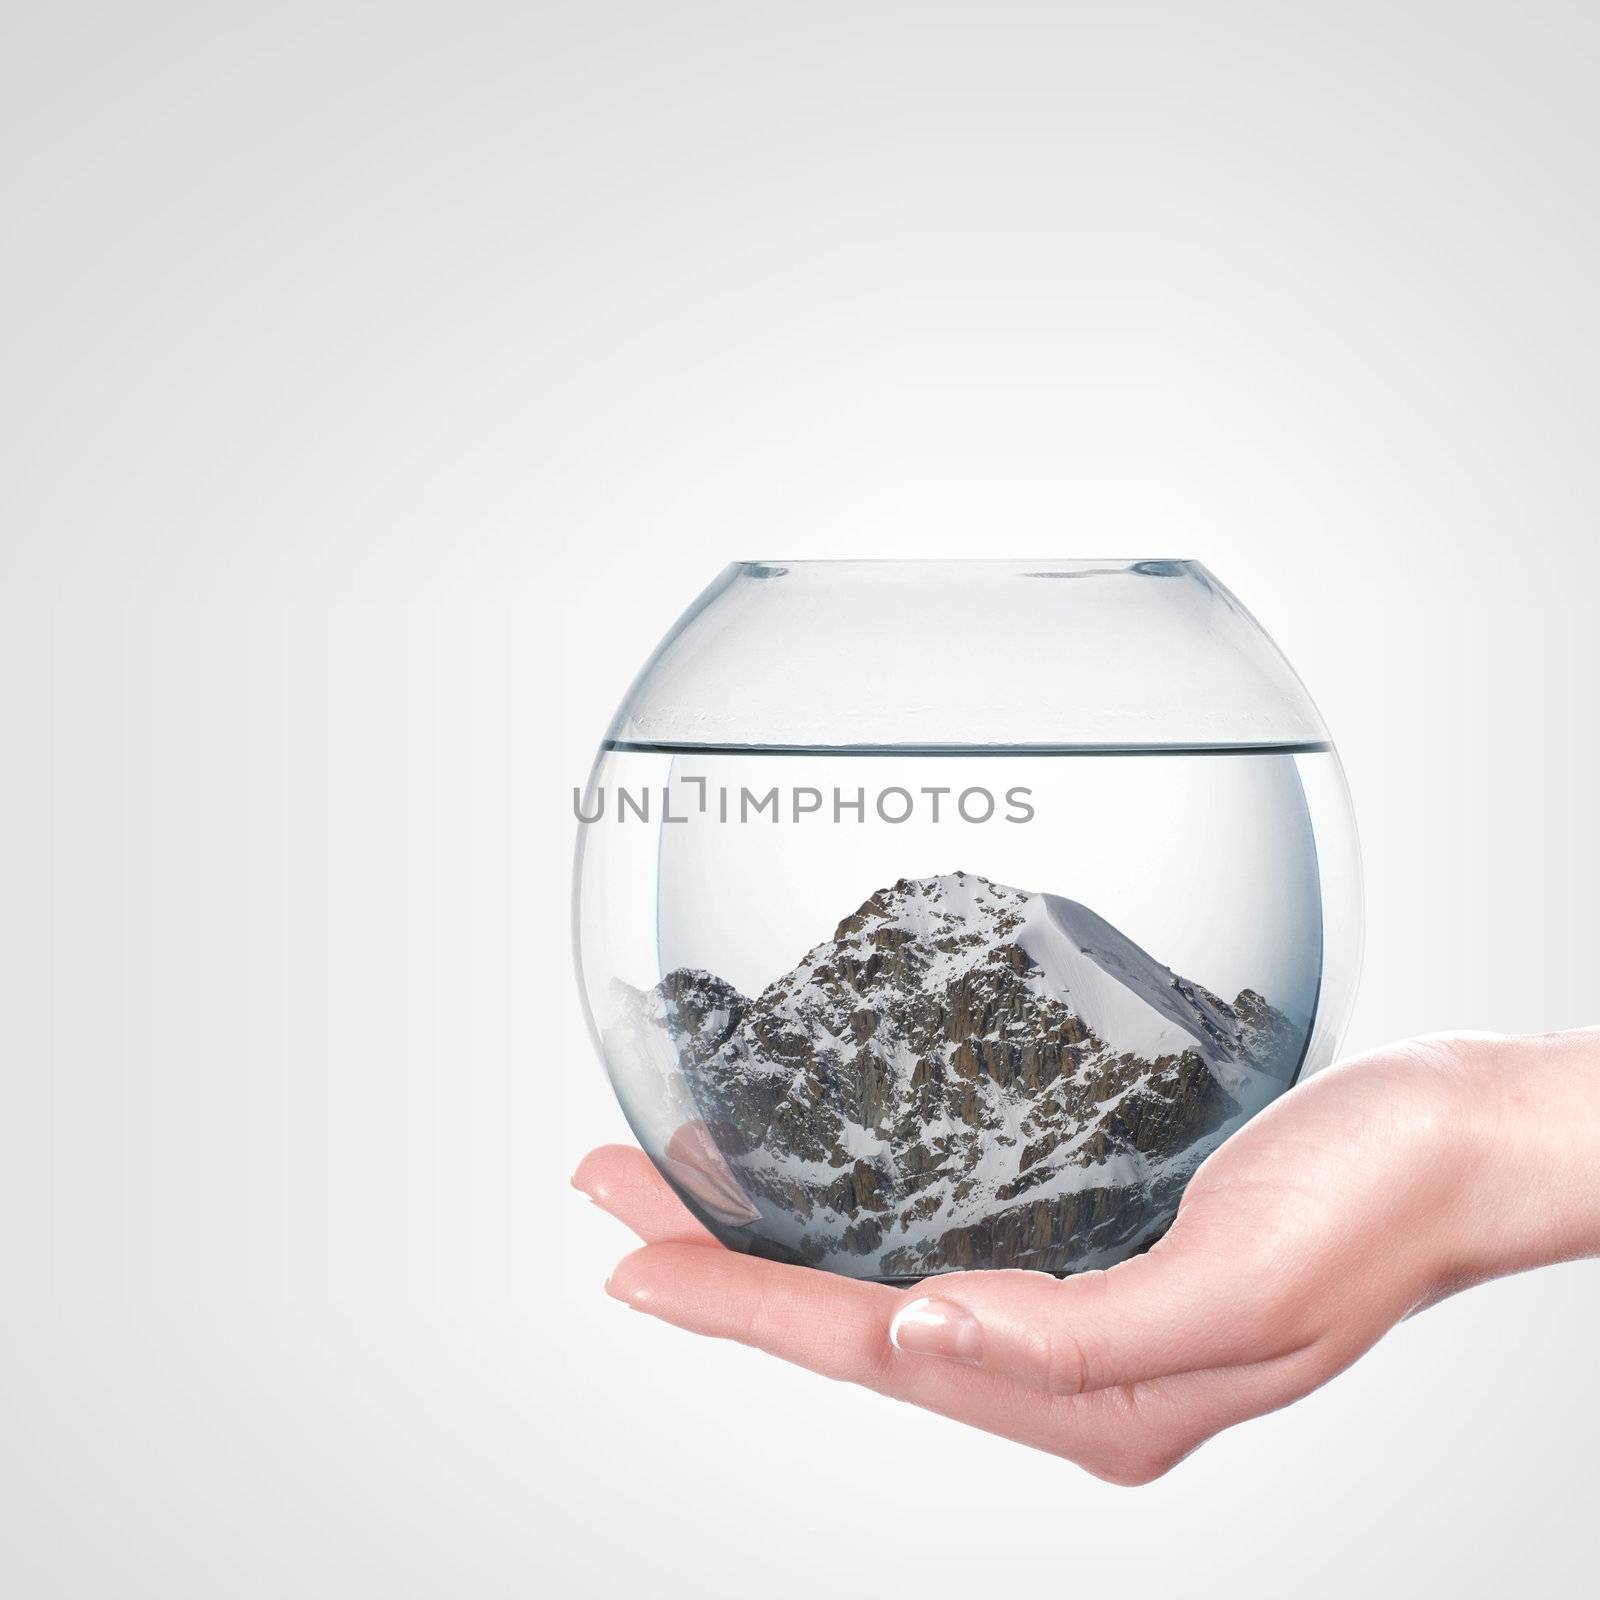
[937, 915]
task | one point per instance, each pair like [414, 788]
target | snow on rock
[965, 1074]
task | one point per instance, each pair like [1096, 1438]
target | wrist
[1530, 1115]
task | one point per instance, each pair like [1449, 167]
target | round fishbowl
[937, 915]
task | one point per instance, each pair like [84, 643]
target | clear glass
[943, 915]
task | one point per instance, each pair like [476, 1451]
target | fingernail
[938, 1328]
[633, 1298]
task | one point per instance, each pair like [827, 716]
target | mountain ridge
[964, 1074]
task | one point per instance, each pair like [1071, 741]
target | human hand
[1372, 1190]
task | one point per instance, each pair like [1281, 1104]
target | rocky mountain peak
[964, 1074]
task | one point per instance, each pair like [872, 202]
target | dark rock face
[926, 1091]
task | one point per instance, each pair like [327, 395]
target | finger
[1179, 1308]
[836, 1326]
[694, 1161]
[840, 1328]
[831, 1325]
[621, 1180]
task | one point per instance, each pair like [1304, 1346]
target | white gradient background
[378, 382]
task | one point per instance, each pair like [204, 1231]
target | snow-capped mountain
[965, 1074]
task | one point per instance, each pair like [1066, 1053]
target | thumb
[1176, 1309]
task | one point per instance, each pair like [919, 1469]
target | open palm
[1307, 1235]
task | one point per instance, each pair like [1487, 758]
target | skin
[1360, 1197]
